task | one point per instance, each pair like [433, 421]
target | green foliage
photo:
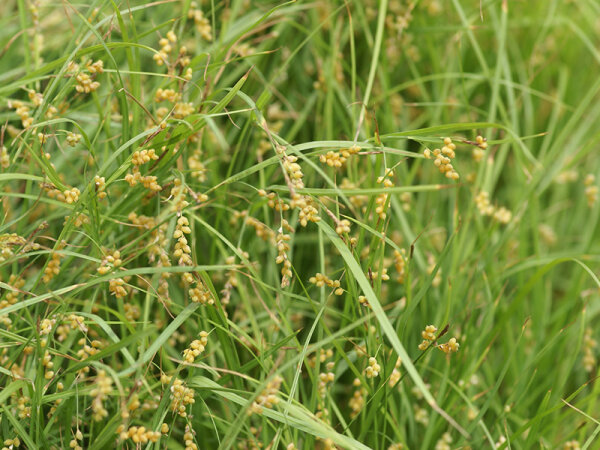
[293, 210]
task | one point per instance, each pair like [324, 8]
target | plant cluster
[234, 224]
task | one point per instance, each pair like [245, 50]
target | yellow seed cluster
[169, 95]
[11, 297]
[95, 67]
[165, 48]
[363, 301]
[103, 387]
[428, 336]
[178, 194]
[36, 98]
[386, 180]
[134, 177]
[148, 181]
[244, 49]
[196, 166]
[88, 350]
[22, 111]
[358, 201]
[202, 24]
[139, 435]
[132, 312]
[23, 406]
[181, 395]
[308, 210]
[381, 201]
[71, 195]
[161, 116]
[406, 199]
[305, 203]
[100, 185]
[323, 356]
[73, 138]
[400, 265]
[188, 438]
[110, 262]
[373, 368]
[572, 445]
[85, 82]
[267, 398]
[337, 159]
[384, 275]
[479, 151]
[46, 326]
[116, 287]
[482, 200]
[53, 267]
[262, 231]
[567, 176]
[200, 294]
[9, 444]
[182, 110]
[182, 59]
[481, 142]
[321, 280]
[421, 416]
[589, 344]
[357, 401]
[48, 365]
[4, 158]
[143, 156]
[325, 378]
[273, 202]
[196, 348]
[53, 192]
[327, 444]
[450, 347]
[80, 220]
[291, 167]
[443, 158]
[591, 190]
[74, 322]
[547, 234]
[501, 214]
[343, 226]
[76, 442]
[7, 243]
[477, 154]
[444, 442]
[282, 249]
[395, 375]
[182, 249]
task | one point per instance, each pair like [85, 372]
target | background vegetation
[223, 225]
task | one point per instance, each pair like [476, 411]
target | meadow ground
[330, 224]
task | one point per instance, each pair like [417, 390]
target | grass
[112, 265]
